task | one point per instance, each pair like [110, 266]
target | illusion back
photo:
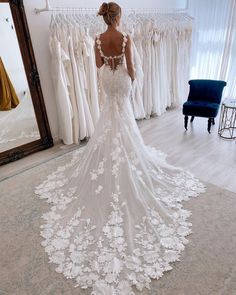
[112, 60]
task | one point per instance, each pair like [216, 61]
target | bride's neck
[111, 28]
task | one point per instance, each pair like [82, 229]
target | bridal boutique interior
[50, 102]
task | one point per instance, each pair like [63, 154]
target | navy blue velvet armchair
[203, 100]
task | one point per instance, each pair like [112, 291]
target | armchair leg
[213, 121]
[209, 125]
[192, 118]
[186, 122]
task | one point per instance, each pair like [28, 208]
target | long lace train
[116, 219]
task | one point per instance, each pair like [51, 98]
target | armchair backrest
[206, 90]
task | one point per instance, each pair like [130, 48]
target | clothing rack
[48, 8]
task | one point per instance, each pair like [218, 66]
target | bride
[116, 219]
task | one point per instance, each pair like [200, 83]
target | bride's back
[113, 47]
[111, 43]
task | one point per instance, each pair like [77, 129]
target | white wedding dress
[116, 219]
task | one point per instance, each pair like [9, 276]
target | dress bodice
[114, 78]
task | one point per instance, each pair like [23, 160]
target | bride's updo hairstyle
[109, 11]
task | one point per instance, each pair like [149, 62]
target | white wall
[39, 29]
[10, 51]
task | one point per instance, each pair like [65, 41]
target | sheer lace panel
[112, 61]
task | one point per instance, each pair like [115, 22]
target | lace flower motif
[116, 155]
[99, 171]
[99, 189]
[102, 138]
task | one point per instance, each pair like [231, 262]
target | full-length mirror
[17, 117]
[23, 121]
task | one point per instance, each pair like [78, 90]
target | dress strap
[98, 42]
[125, 39]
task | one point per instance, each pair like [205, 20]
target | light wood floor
[209, 157]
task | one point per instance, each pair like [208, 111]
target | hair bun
[103, 9]
[109, 11]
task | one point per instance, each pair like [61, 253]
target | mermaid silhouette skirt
[116, 217]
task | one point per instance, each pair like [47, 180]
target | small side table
[227, 124]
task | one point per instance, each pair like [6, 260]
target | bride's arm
[129, 60]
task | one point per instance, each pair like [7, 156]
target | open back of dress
[115, 60]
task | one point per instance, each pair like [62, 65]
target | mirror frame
[27, 53]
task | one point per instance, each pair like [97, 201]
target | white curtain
[214, 42]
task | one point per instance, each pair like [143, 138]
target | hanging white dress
[78, 94]
[137, 86]
[63, 36]
[91, 74]
[174, 69]
[138, 36]
[80, 50]
[116, 219]
[147, 65]
[156, 99]
[166, 66]
[64, 108]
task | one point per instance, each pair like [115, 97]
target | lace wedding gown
[116, 219]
